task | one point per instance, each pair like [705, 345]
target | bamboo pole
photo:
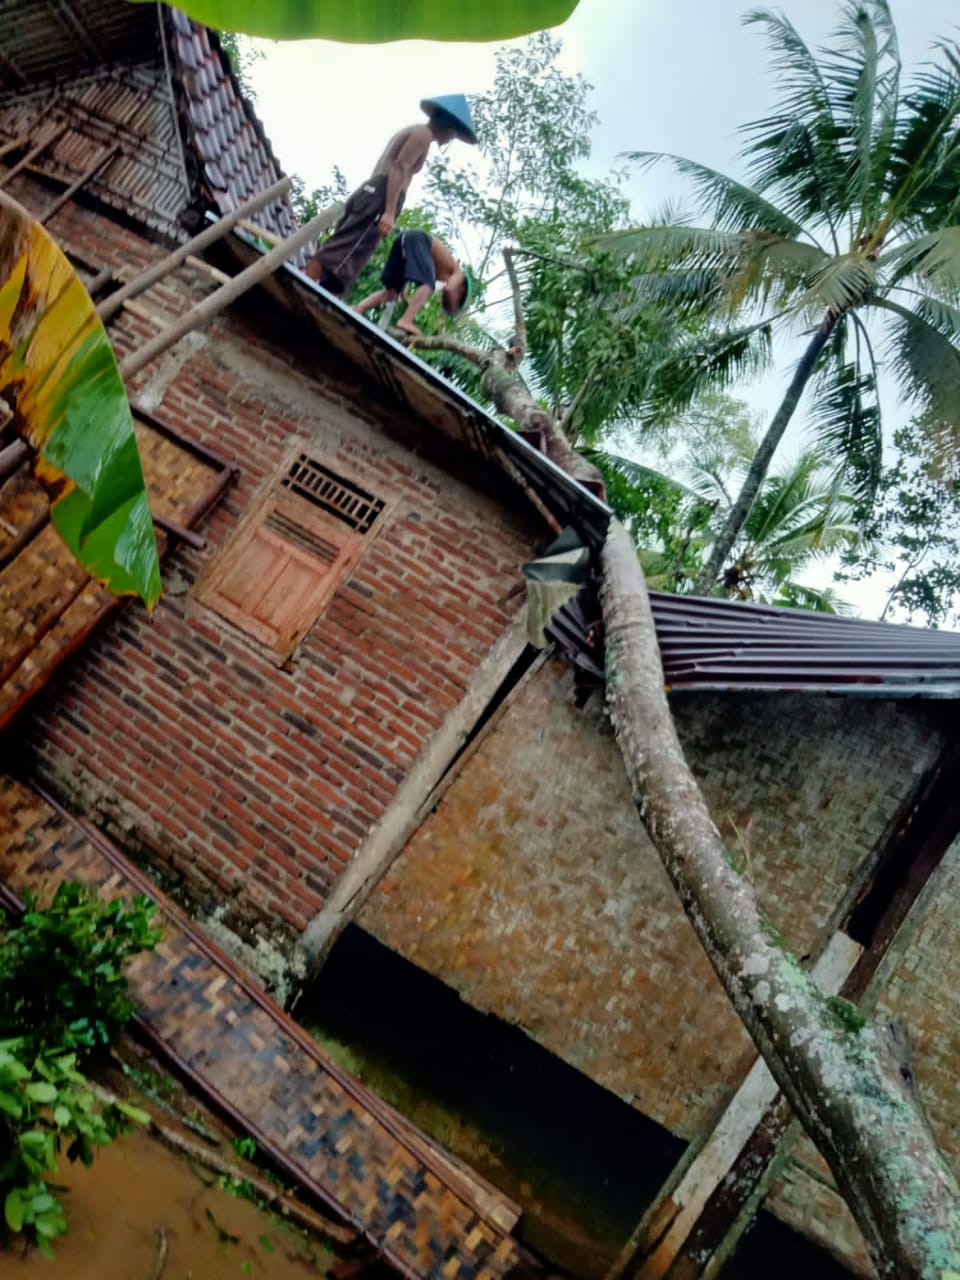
[210, 235]
[12, 458]
[13, 145]
[228, 293]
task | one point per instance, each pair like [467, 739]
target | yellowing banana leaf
[59, 377]
[376, 21]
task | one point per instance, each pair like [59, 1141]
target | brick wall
[254, 784]
[534, 892]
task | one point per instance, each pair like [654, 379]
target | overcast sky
[668, 75]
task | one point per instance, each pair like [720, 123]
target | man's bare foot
[409, 327]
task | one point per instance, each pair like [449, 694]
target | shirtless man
[419, 258]
[372, 209]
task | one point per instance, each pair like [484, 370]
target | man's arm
[408, 161]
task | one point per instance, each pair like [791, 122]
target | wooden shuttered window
[291, 553]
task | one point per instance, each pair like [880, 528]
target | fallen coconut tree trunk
[841, 1076]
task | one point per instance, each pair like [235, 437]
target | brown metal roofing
[727, 645]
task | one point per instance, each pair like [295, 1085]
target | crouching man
[419, 259]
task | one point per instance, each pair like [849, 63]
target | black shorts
[409, 261]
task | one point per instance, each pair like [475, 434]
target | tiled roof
[99, 71]
[234, 157]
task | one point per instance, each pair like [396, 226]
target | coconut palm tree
[801, 515]
[848, 217]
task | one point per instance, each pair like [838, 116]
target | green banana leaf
[59, 378]
[376, 21]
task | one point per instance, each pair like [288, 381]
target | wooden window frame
[301, 534]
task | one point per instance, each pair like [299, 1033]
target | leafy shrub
[61, 968]
[62, 994]
[46, 1102]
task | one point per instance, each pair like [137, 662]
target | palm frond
[795, 595]
[927, 365]
[862, 76]
[794, 152]
[799, 76]
[847, 425]
[924, 163]
[681, 292]
[658, 247]
[711, 361]
[637, 473]
[694, 268]
[932, 260]
[837, 285]
[733, 205]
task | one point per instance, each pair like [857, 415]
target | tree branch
[440, 342]
[566, 422]
[517, 349]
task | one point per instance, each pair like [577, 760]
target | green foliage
[913, 531]
[62, 993]
[533, 131]
[47, 1105]
[848, 213]
[61, 968]
[801, 514]
[372, 22]
[243, 57]
[245, 1146]
[59, 377]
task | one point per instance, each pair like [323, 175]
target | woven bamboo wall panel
[242, 1049]
[48, 605]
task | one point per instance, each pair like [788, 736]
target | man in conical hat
[371, 210]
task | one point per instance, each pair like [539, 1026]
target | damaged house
[332, 739]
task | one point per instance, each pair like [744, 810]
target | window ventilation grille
[345, 501]
[300, 537]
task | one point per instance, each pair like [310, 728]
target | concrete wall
[533, 890]
[253, 784]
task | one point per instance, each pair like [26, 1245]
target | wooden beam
[660, 1242]
[32, 154]
[178, 531]
[101, 163]
[199, 264]
[12, 458]
[14, 145]
[210, 235]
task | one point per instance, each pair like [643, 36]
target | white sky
[668, 75]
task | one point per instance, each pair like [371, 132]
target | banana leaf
[59, 378]
[377, 21]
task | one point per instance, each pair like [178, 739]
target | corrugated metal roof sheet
[727, 645]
